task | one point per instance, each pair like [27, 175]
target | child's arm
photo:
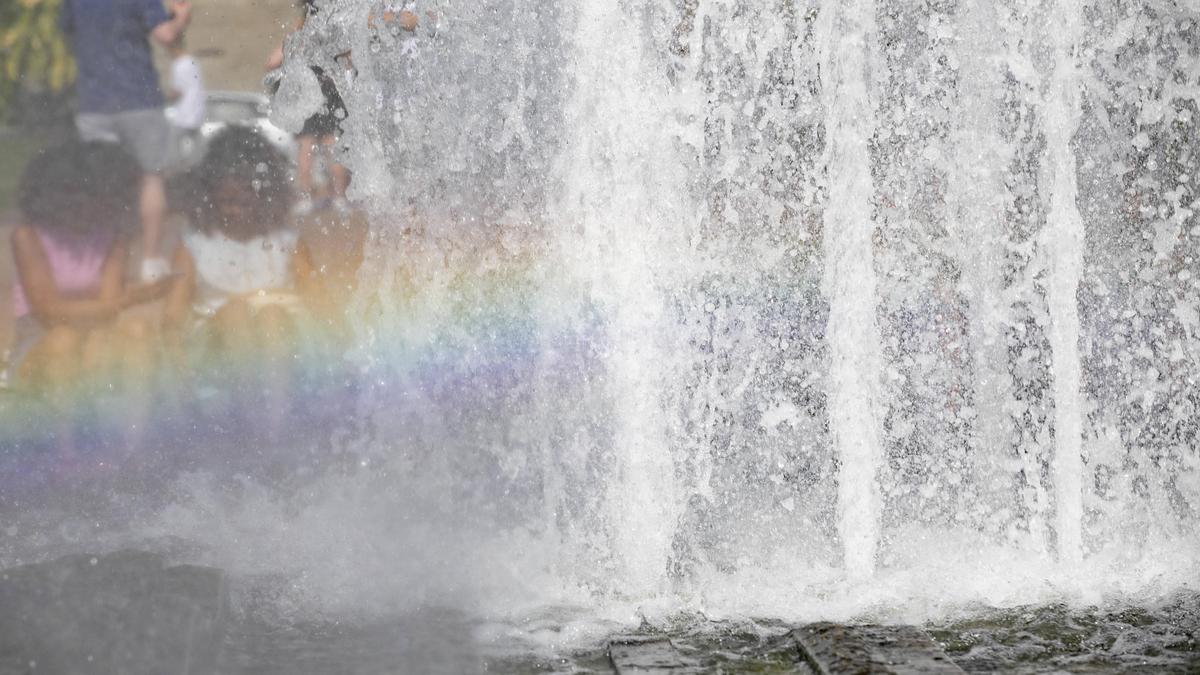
[275, 60]
[52, 308]
[168, 31]
[178, 305]
[146, 291]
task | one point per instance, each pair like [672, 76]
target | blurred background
[231, 40]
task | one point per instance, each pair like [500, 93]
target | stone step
[834, 649]
[642, 655]
[126, 612]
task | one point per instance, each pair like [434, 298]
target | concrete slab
[233, 38]
[641, 655]
[833, 649]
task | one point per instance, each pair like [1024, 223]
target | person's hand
[408, 20]
[141, 293]
[182, 10]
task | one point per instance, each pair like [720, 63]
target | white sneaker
[302, 207]
[154, 269]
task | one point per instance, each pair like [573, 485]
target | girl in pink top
[70, 257]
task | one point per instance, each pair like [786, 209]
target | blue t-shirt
[110, 39]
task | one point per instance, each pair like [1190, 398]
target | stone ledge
[648, 655]
[833, 649]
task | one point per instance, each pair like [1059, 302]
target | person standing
[119, 97]
[321, 130]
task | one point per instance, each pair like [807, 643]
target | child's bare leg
[277, 332]
[337, 171]
[233, 329]
[341, 179]
[174, 351]
[53, 363]
[137, 351]
[305, 147]
[153, 209]
[136, 359]
[98, 355]
[53, 366]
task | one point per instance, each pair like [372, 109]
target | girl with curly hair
[71, 255]
[245, 275]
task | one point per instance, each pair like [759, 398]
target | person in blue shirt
[119, 97]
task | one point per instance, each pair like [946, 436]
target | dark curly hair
[78, 186]
[242, 154]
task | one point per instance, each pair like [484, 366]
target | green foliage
[34, 57]
[19, 146]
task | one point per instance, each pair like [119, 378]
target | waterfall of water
[622, 196]
[979, 203]
[1064, 241]
[711, 305]
[853, 335]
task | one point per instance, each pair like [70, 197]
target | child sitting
[243, 270]
[71, 258]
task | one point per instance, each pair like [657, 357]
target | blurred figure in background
[320, 132]
[186, 109]
[119, 97]
[70, 256]
[246, 277]
[247, 285]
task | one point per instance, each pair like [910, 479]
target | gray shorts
[183, 150]
[143, 133]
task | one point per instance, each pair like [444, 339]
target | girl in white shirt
[245, 274]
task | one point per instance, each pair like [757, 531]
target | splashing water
[833, 260]
[776, 309]
[1065, 238]
[852, 333]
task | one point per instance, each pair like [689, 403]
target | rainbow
[452, 341]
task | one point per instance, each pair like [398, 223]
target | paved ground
[139, 612]
[233, 38]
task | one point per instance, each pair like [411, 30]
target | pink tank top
[75, 262]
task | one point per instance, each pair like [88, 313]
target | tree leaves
[33, 53]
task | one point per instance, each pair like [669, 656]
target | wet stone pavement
[131, 612]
